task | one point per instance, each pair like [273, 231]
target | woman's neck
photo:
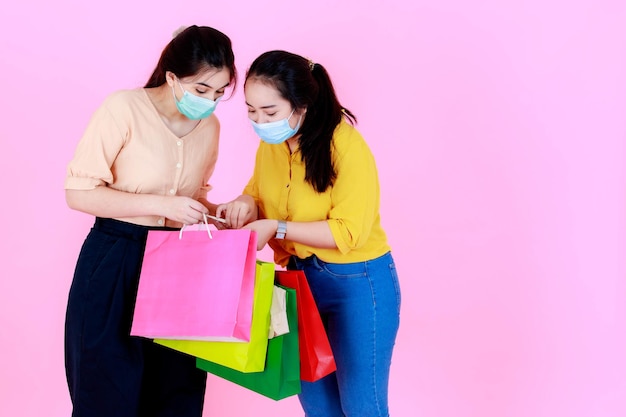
[165, 104]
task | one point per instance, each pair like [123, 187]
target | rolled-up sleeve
[96, 152]
[355, 196]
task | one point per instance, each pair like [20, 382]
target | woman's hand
[238, 212]
[184, 210]
[265, 230]
[212, 209]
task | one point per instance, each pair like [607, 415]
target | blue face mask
[194, 107]
[275, 132]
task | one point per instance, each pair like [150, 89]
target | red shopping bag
[196, 285]
[316, 356]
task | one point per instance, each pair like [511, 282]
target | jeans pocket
[396, 283]
[342, 271]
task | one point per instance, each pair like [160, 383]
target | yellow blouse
[350, 205]
[128, 147]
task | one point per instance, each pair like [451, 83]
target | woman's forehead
[258, 92]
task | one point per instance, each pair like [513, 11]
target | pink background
[499, 131]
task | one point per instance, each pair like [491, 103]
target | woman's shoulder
[347, 137]
[127, 106]
[126, 98]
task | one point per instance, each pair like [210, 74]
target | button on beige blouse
[128, 147]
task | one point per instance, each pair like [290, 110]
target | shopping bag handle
[206, 223]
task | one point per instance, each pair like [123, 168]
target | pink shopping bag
[196, 285]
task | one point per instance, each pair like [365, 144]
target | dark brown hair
[193, 49]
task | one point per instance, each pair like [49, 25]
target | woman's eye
[271, 114]
[200, 92]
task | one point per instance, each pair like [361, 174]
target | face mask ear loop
[299, 120]
[181, 86]
[181, 89]
[174, 94]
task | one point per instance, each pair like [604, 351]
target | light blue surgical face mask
[276, 132]
[193, 106]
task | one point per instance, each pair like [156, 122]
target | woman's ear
[169, 78]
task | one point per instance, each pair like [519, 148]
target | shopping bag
[247, 356]
[278, 313]
[281, 377]
[316, 356]
[196, 285]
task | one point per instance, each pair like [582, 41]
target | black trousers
[109, 372]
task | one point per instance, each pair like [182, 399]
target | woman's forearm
[110, 203]
[107, 202]
[315, 234]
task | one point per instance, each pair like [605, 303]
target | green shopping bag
[281, 377]
[242, 356]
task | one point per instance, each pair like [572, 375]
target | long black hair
[306, 85]
[192, 50]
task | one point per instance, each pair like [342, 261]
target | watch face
[281, 230]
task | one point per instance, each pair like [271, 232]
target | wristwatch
[281, 231]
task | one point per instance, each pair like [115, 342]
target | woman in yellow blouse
[314, 197]
[143, 163]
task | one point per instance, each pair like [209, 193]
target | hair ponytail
[327, 95]
[322, 117]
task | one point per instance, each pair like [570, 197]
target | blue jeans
[360, 307]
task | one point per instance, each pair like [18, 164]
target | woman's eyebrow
[269, 106]
[208, 86]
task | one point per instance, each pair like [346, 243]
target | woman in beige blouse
[144, 162]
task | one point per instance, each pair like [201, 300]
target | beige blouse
[128, 147]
